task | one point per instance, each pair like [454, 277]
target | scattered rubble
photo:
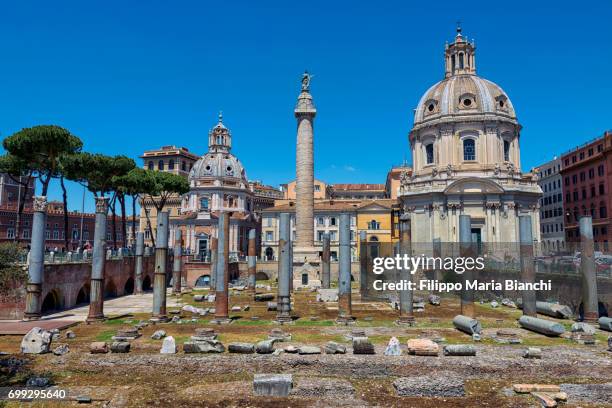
[425, 386]
[61, 349]
[434, 300]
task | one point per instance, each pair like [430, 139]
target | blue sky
[128, 76]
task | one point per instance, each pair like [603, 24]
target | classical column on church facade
[304, 251]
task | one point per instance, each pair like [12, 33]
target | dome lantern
[460, 56]
[219, 137]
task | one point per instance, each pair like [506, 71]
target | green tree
[135, 184]
[19, 171]
[12, 275]
[41, 148]
[164, 186]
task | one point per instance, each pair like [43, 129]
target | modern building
[358, 191]
[466, 158]
[218, 182]
[587, 180]
[172, 159]
[551, 206]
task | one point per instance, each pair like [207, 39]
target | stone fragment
[279, 335]
[272, 385]
[459, 350]
[362, 345]
[126, 334]
[334, 348]
[263, 297]
[120, 347]
[422, 347]
[545, 399]
[355, 333]
[309, 350]
[272, 306]
[212, 346]
[199, 298]
[393, 348]
[558, 396]
[236, 309]
[291, 349]
[507, 336]
[70, 334]
[168, 346]
[211, 298]
[98, 347]
[582, 328]
[425, 386]
[527, 388]
[265, 347]
[533, 352]
[476, 337]
[327, 295]
[609, 343]
[508, 303]
[36, 341]
[605, 323]
[278, 352]
[38, 382]
[434, 300]
[61, 350]
[246, 308]
[494, 304]
[241, 348]
[158, 335]
[190, 309]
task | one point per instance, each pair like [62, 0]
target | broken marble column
[252, 260]
[213, 263]
[345, 309]
[161, 257]
[36, 260]
[465, 238]
[284, 266]
[541, 326]
[98, 263]
[527, 264]
[272, 385]
[325, 263]
[587, 269]
[363, 263]
[467, 325]
[177, 263]
[222, 272]
[406, 315]
[138, 269]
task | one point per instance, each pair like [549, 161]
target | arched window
[151, 166]
[453, 62]
[461, 61]
[429, 153]
[469, 150]
[160, 165]
[506, 150]
[171, 164]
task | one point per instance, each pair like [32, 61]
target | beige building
[172, 159]
[466, 158]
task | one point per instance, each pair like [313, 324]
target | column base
[159, 319]
[345, 320]
[33, 302]
[95, 319]
[591, 317]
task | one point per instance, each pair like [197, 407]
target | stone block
[272, 385]
[327, 295]
[393, 348]
[265, 347]
[168, 346]
[527, 388]
[98, 347]
[309, 350]
[335, 348]
[120, 347]
[241, 348]
[533, 352]
[36, 341]
[158, 335]
[362, 345]
[545, 399]
[423, 347]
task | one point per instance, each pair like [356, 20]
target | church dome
[463, 95]
[219, 163]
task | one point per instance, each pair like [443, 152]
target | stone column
[285, 263]
[96, 295]
[222, 272]
[363, 264]
[527, 266]
[465, 238]
[177, 265]
[344, 275]
[161, 262]
[213, 263]
[405, 296]
[36, 260]
[252, 260]
[138, 255]
[588, 272]
[325, 265]
[304, 187]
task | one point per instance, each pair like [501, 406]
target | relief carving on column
[40, 203]
[102, 205]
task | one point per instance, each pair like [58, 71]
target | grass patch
[106, 335]
[248, 322]
[313, 323]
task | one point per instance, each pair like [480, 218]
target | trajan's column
[304, 250]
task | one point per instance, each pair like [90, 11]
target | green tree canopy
[41, 148]
[96, 171]
[166, 184]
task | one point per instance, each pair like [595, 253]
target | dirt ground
[146, 378]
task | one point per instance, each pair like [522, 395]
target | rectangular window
[25, 233]
[567, 181]
[602, 189]
[600, 170]
[507, 152]
[582, 176]
[593, 194]
[332, 221]
[269, 236]
[10, 233]
[319, 235]
[333, 236]
[574, 179]
[575, 196]
[591, 173]
[204, 203]
[320, 221]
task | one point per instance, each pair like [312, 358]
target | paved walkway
[117, 307]
[112, 308]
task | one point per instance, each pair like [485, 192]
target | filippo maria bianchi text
[438, 286]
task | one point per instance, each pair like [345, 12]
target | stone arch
[110, 290]
[128, 288]
[52, 301]
[203, 280]
[146, 283]
[83, 295]
[262, 276]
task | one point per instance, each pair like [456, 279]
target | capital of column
[39, 203]
[102, 205]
